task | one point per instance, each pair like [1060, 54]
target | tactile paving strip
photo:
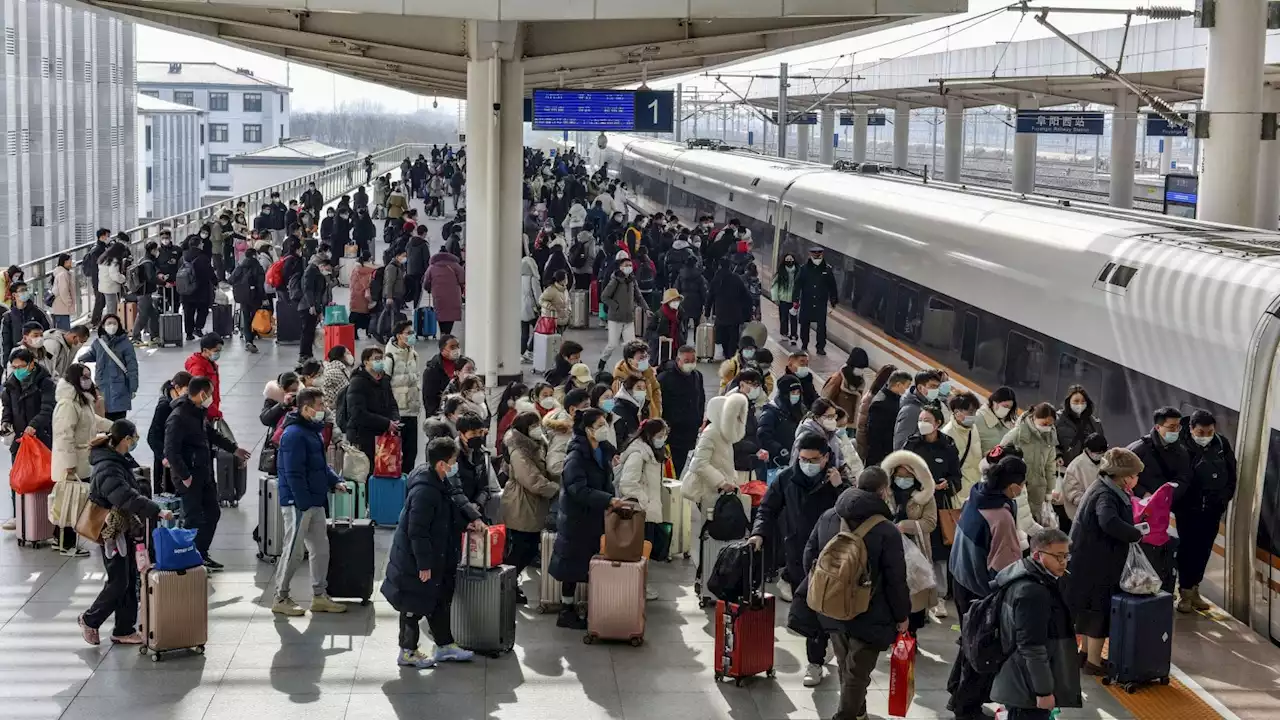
[1174, 701]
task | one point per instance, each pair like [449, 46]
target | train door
[969, 340]
[1266, 576]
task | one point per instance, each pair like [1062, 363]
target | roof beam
[352, 60]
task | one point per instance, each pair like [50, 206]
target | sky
[319, 90]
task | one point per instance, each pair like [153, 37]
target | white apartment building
[171, 158]
[243, 113]
[68, 125]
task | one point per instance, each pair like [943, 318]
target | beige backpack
[840, 583]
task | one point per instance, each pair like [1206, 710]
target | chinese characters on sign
[1060, 122]
[641, 110]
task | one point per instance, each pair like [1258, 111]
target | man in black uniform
[816, 295]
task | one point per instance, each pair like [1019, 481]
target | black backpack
[342, 414]
[980, 640]
[728, 519]
[733, 577]
[375, 284]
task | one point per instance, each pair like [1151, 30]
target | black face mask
[476, 443]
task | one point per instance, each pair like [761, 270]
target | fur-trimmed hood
[919, 469]
[729, 416]
[558, 420]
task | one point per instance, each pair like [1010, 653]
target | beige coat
[527, 495]
[711, 463]
[554, 302]
[641, 478]
[557, 428]
[970, 474]
[74, 425]
[64, 292]
[922, 514]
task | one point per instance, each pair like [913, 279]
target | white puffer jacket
[641, 478]
[406, 379]
[74, 425]
[711, 464]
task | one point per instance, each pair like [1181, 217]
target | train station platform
[342, 667]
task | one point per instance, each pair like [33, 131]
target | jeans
[306, 344]
[148, 318]
[62, 322]
[620, 333]
[856, 662]
[821, 321]
[787, 323]
[119, 596]
[303, 527]
[437, 621]
[1197, 530]
[111, 305]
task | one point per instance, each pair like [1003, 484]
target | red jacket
[199, 365]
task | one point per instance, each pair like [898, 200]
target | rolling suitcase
[579, 309]
[709, 550]
[545, 348]
[744, 632]
[288, 321]
[335, 335]
[641, 319]
[1141, 642]
[350, 558]
[33, 519]
[615, 605]
[548, 587]
[704, 341]
[233, 478]
[174, 611]
[353, 504]
[424, 322]
[666, 350]
[483, 617]
[386, 499]
[224, 322]
[171, 334]
[270, 520]
[678, 512]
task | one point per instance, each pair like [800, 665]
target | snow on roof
[301, 149]
[198, 73]
[146, 103]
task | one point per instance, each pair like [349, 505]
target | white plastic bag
[1139, 577]
[919, 569]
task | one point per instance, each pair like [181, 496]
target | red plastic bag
[756, 490]
[386, 455]
[32, 471]
[902, 675]
[484, 548]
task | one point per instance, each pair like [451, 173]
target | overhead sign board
[1159, 127]
[873, 120]
[806, 119]
[1060, 122]
[601, 110]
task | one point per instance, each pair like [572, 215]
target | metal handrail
[332, 182]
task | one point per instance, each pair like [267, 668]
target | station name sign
[1060, 122]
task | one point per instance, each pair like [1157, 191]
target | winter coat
[1045, 659]
[315, 290]
[29, 403]
[1215, 475]
[113, 485]
[792, 506]
[557, 428]
[626, 416]
[1100, 538]
[620, 297]
[919, 513]
[204, 277]
[155, 433]
[554, 302]
[305, 476]
[556, 260]
[684, 402]
[434, 381]
[11, 325]
[425, 539]
[943, 460]
[970, 453]
[58, 355]
[396, 205]
[783, 288]
[882, 415]
[371, 409]
[1040, 452]
[991, 429]
[890, 598]
[1072, 431]
[1081, 474]
[64, 293]
[810, 426]
[361, 278]
[776, 431]
[335, 376]
[640, 478]
[529, 489]
[844, 394]
[1162, 463]
[188, 442]
[111, 278]
[986, 539]
[393, 280]
[406, 382]
[815, 290]
[693, 287]
[652, 389]
[904, 425]
[200, 366]
[249, 283]
[729, 298]
[117, 385]
[446, 282]
[530, 290]
[711, 463]
[74, 425]
[586, 491]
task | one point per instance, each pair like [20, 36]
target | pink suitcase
[33, 519]
[615, 602]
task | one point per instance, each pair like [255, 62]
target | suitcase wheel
[588, 638]
[719, 676]
[771, 673]
[737, 682]
[155, 657]
[704, 603]
[637, 641]
[1163, 681]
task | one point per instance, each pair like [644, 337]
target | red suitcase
[335, 335]
[744, 632]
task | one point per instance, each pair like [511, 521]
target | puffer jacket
[336, 375]
[554, 302]
[711, 464]
[1044, 660]
[919, 515]
[111, 279]
[969, 446]
[114, 485]
[557, 427]
[653, 390]
[640, 477]
[530, 290]
[620, 296]
[1082, 473]
[406, 381]
[74, 425]
[529, 490]
[1040, 451]
[118, 385]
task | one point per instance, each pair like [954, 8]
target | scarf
[673, 317]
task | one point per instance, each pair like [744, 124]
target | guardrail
[332, 182]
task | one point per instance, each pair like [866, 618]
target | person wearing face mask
[439, 371]
[1164, 456]
[401, 360]
[913, 504]
[1100, 540]
[543, 398]
[1076, 421]
[780, 421]
[326, 225]
[111, 275]
[554, 300]
[997, 417]
[371, 403]
[636, 362]
[204, 363]
[63, 291]
[684, 402]
[798, 367]
[667, 323]
[557, 429]
[820, 421]
[22, 311]
[620, 297]
[629, 401]
[335, 375]
[528, 494]
[816, 295]
[1081, 474]
[74, 424]
[879, 413]
[170, 390]
[640, 479]
[782, 292]
[115, 486]
[927, 390]
[466, 368]
[846, 387]
[1036, 436]
[1213, 485]
[115, 367]
[475, 476]
[189, 439]
[168, 260]
[743, 359]
[28, 399]
[960, 428]
[579, 378]
[939, 453]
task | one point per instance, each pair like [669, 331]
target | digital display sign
[604, 110]
[1181, 193]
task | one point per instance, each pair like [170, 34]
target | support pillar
[953, 140]
[782, 110]
[803, 133]
[1024, 151]
[1233, 97]
[1124, 142]
[679, 112]
[901, 133]
[827, 137]
[1166, 155]
[1267, 211]
[860, 133]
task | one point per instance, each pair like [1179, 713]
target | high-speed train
[1031, 292]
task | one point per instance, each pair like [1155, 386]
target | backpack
[185, 280]
[342, 416]
[275, 274]
[295, 286]
[734, 577]
[728, 519]
[375, 285]
[980, 641]
[136, 280]
[578, 256]
[840, 585]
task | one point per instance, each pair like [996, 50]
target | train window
[873, 298]
[730, 196]
[817, 227]
[1074, 371]
[969, 339]
[1106, 270]
[907, 316]
[1123, 275]
[755, 182]
[1023, 361]
[939, 324]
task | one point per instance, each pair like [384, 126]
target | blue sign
[640, 110]
[1159, 127]
[806, 119]
[1060, 122]
[835, 140]
[847, 120]
[751, 137]
[876, 120]
[528, 109]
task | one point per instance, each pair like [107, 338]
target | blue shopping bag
[175, 548]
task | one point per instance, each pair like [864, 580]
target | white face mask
[1002, 411]
[754, 394]
[675, 304]
[639, 395]
[110, 328]
[1079, 408]
[828, 424]
[810, 469]
[660, 442]
[925, 428]
[802, 372]
[1202, 441]
[688, 367]
[547, 403]
[476, 397]
[626, 269]
[906, 483]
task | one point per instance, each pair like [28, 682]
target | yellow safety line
[1174, 701]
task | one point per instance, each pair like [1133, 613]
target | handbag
[66, 500]
[92, 520]
[355, 464]
[386, 455]
[546, 325]
[947, 521]
[267, 461]
[624, 533]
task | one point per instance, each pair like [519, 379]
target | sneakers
[89, 634]
[521, 598]
[10, 524]
[569, 619]
[650, 593]
[784, 590]
[289, 608]
[526, 358]
[940, 610]
[813, 675]
[74, 552]
[453, 653]
[251, 348]
[212, 565]
[322, 604]
[1192, 597]
[133, 638]
[414, 659]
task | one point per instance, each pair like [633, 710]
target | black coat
[314, 200]
[1073, 430]
[586, 488]
[943, 459]
[730, 300]
[1100, 538]
[473, 479]
[167, 262]
[684, 403]
[882, 413]
[779, 421]
[206, 281]
[627, 417]
[559, 373]
[315, 290]
[419, 254]
[188, 442]
[693, 287]
[793, 504]
[890, 599]
[113, 484]
[364, 231]
[277, 215]
[815, 290]
[434, 381]
[1162, 463]
[341, 232]
[12, 322]
[164, 407]
[29, 404]
[1214, 474]
[425, 539]
[371, 408]
[744, 451]
[249, 283]
[326, 229]
[1036, 618]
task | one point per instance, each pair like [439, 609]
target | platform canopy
[421, 45]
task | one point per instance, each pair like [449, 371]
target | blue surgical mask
[607, 405]
[1170, 437]
[642, 365]
[21, 373]
[411, 339]
[906, 483]
[748, 353]
[802, 372]
[945, 388]
[453, 471]
[214, 357]
[931, 394]
[967, 422]
[795, 398]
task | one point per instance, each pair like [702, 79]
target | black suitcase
[483, 616]
[288, 322]
[1141, 642]
[351, 559]
[232, 477]
[171, 323]
[224, 320]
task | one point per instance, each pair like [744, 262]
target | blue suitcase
[1141, 642]
[386, 500]
[424, 322]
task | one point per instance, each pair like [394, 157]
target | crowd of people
[889, 453]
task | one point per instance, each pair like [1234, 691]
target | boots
[1189, 600]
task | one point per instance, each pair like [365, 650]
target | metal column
[782, 110]
[953, 137]
[679, 112]
[803, 133]
[901, 133]
[860, 133]
[1124, 139]
[1024, 151]
[827, 137]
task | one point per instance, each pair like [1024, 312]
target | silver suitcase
[704, 341]
[270, 520]
[678, 511]
[545, 348]
[578, 308]
[710, 550]
[641, 320]
[483, 616]
[549, 588]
